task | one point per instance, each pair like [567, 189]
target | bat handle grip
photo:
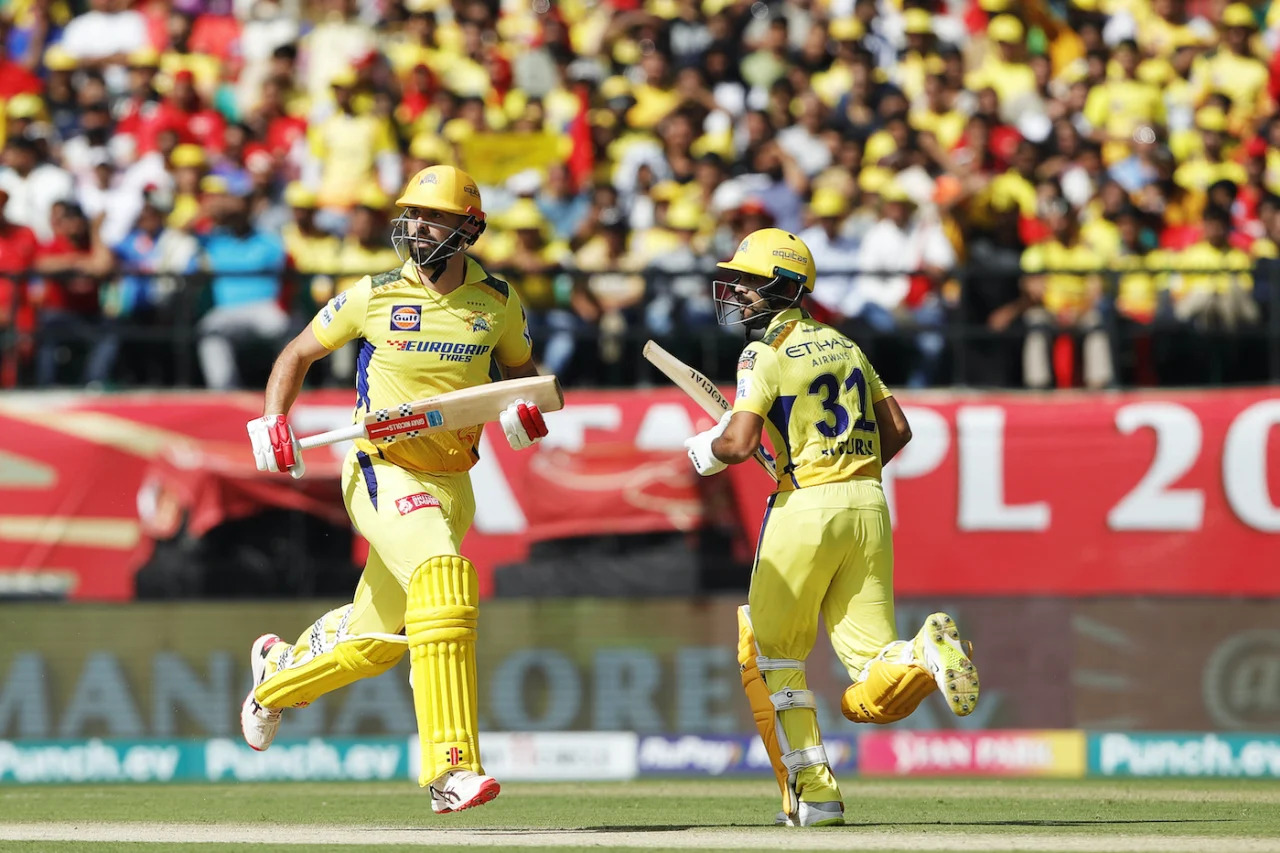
[333, 436]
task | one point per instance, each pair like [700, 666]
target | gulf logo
[406, 318]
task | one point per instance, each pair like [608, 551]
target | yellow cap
[772, 252]
[994, 6]
[872, 178]
[346, 78]
[457, 129]
[213, 185]
[57, 58]
[828, 201]
[602, 118]
[935, 65]
[1005, 28]
[892, 191]
[846, 29]
[446, 188]
[1086, 5]
[615, 87]
[665, 191]
[428, 146]
[1239, 15]
[297, 195]
[524, 215]
[1212, 119]
[917, 22]
[1184, 37]
[666, 9]
[187, 155]
[373, 198]
[684, 215]
[25, 105]
[1155, 71]
[147, 57]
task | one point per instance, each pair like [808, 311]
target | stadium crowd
[1001, 192]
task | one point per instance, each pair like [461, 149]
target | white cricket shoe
[939, 647]
[814, 814]
[461, 789]
[259, 724]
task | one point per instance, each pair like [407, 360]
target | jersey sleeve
[876, 388]
[342, 318]
[758, 380]
[515, 347]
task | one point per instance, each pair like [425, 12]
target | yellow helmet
[773, 253]
[447, 189]
[780, 258]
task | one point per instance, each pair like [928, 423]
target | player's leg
[891, 677]
[358, 640]
[776, 633]
[421, 524]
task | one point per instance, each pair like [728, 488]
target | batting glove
[699, 447]
[274, 446]
[523, 424]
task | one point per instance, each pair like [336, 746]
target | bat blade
[450, 411]
[702, 391]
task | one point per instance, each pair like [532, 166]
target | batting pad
[891, 687]
[441, 626]
[784, 712]
[325, 658]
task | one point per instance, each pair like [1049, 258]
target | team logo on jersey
[406, 318]
[339, 301]
[480, 322]
[747, 360]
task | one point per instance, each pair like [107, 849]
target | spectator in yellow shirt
[348, 152]
[1062, 280]
[1117, 107]
[1214, 287]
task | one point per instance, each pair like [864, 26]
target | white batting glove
[523, 424]
[274, 446]
[699, 447]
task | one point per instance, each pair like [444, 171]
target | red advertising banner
[1174, 493]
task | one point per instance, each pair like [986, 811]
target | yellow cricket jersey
[416, 343]
[815, 390]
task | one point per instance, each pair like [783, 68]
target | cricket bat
[703, 391]
[450, 411]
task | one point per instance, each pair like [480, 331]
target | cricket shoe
[461, 789]
[939, 647]
[259, 724]
[814, 814]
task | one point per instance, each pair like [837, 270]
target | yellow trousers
[392, 508]
[824, 550]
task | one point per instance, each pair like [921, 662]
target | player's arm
[275, 447]
[740, 439]
[737, 436]
[522, 422]
[895, 432]
[290, 369]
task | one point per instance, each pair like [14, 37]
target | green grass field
[1163, 816]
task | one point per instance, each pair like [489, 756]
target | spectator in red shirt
[15, 79]
[67, 304]
[185, 111]
[18, 247]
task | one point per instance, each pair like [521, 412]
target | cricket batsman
[826, 547]
[436, 324]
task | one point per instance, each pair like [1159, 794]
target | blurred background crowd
[996, 192]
